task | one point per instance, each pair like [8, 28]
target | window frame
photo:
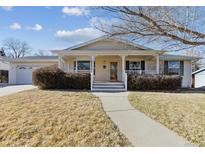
[140, 65]
[80, 61]
[174, 72]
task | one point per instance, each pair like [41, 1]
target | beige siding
[70, 62]
[101, 74]
[150, 63]
[104, 74]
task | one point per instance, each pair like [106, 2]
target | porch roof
[108, 52]
[177, 57]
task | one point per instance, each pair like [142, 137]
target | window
[174, 67]
[83, 65]
[4, 74]
[134, 65]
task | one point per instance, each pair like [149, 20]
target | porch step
[108, 90]
[109, 86]
[108, 83]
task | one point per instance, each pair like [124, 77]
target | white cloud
[99, 21]
[15, 26]
[36, 27]
[7, 8]
[78, 11]
[78, 35]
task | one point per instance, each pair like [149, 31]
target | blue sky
[48, 28]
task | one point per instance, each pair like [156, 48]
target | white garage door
[200, 80]
[24, 75]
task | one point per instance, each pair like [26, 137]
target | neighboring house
[108, 60]
[20, 70]
[198, 78]
[4, 67]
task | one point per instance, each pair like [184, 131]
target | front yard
[56, 118]
[183, 113]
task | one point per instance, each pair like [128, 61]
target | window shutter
[127, 65]
[181, 68]
[74, 66]
[143, 65]
[165, 67]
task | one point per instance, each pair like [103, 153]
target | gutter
[33, 60]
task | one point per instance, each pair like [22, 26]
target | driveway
[14, 89]
[136, 126]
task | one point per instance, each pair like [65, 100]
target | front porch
[109, 72]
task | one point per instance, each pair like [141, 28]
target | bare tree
[197, 64]
[2, 53]
[177, 27]
[41, 52]
[15, 48]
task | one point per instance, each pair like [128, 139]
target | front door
[113, 71]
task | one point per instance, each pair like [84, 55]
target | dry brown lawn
[56, 118]
[183, 113]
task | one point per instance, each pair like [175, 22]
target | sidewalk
[137, 127]
[14, 89]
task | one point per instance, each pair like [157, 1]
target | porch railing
[149, 72]
[125, 80]
[91, 80]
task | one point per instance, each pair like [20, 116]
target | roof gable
[107, 43]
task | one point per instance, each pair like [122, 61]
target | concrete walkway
[136, 126]
[14, 89]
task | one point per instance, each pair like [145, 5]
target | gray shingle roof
[39, 57]
[34, 58]
[177, 57]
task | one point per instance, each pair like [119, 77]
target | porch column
[60, 63]
[123, 64]
[157, 64]
[92, 72]
[124, 74]
[92, 64]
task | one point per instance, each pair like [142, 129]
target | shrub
[77, 81]
[54, 78]
[4, 74]
[48, 77]
[153, 82]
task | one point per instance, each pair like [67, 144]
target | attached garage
[21, 69]
[198, 78]
[24, 75]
